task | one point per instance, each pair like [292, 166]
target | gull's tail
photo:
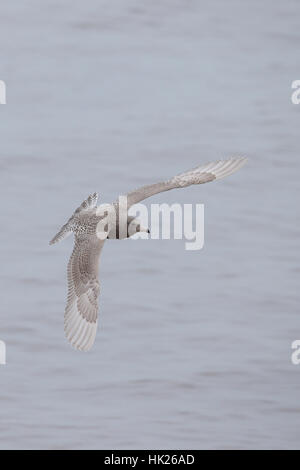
[64, 232]
[67, 229]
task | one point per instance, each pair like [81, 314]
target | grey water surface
[194, 347]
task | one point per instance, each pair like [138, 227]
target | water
[194, 348]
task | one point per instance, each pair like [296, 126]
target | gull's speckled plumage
[81, 313]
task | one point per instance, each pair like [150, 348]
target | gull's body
[81, 314]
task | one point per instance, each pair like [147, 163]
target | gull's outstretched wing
[81, 314]
[201, 174]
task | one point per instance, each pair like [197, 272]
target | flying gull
[81, 313]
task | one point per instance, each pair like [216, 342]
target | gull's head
[135, 226]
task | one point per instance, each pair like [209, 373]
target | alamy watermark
[2, 92]
[175, 221]
[296, 94]
[295, 357]
[2, 353]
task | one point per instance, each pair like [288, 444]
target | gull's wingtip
[241, 161]
[224, 168]
[240, 158]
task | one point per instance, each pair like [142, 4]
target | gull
[81, 312]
